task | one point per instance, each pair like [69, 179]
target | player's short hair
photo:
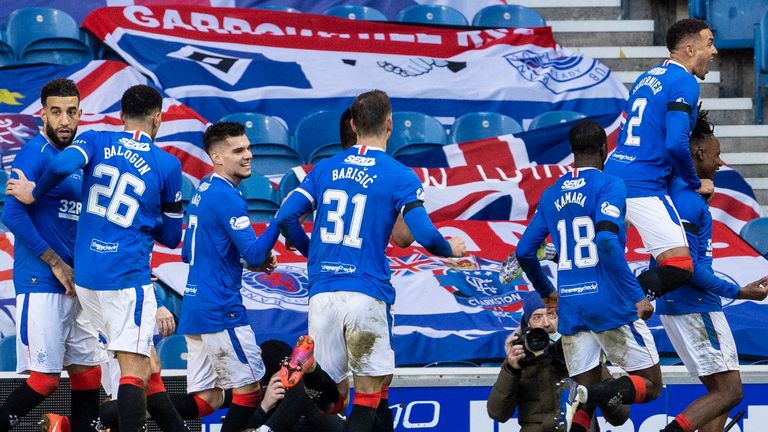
[587, 137]
[682, 30]
[370, 111]
[702, 130]
[141, 101]
[61, 87]
[347, 135]
[221, 131]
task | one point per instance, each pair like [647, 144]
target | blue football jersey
[125, 179]
[51, 221]
[662, 105]
[218, 234]
[358, 195]
[592, 295]
[703, 293]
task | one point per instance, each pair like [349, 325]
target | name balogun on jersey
[129, 153]
[356, 174]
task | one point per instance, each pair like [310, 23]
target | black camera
[535, 342]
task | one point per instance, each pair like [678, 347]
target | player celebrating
[52, 332]
[223, 353]
[358, 195]
[133, 198]
[654, 141]
[693, 315]
[584, 213]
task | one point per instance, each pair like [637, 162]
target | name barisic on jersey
[131, 156]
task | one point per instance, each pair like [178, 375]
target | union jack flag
[410, 264]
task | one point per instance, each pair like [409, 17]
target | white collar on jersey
[226, 180]
[361, 149]
[138, 134]
[675, 62]
[575, 171]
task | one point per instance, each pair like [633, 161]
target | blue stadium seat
[46, 35]
[414, 132]
[270, 143]
[317, 135]
[288, 183]
[356, 13]
[761, 64]
[173, 352]
[731, 21]
[509, 15]
[8, 354]
[7, 56]
[755, 233]
[553, 118]
[432, 14]
[479, 125]
[279, 8]
[261, 197]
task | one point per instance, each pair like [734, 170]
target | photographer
[527, 380]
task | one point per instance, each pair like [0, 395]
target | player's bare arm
[757, 290]
[60, 269]
[458, 248]
[644, 309]
[20, 188]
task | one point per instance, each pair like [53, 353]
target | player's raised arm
[529, 244]
[679, 111]
[288, 219]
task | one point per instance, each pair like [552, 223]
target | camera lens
[536, 340]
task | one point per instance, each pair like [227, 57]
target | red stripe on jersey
[136, 135]
[666, 62]
[363, 150]
[575, 173]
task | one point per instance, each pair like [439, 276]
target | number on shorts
[336, 234]
[638, 106]
[584, 241]
[115, 190]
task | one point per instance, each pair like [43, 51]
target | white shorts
[657, 222]
[125, 317]
[703, 341]
[351, 331]
[52, 332]
[629, 347]
[227, 359]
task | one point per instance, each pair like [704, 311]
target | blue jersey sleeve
[699, 234]
[67, 162]
[15, 214]
[288, 219]
[609, 225]
[705, 279]
[233, 215]
[408, 190]
[425, 232]
[527, 247]
[681, 106]
[168, 233]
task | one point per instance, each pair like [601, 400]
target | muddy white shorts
[703, 341]
[629, 347]
[227, 359]
[52, 332]
[125, 317]
[351, 331]
[657, 222]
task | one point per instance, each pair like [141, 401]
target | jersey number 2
[336, 234]
[115, 190]
[638, 108]
[584, 236]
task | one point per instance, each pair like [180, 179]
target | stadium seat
[279, 8]
[288, 183]
[414, 132]
[432, 14]
[755, 233]
[731, 21]
[270, 143]
[509, 15]
[355, 12]
[173, 352]
[7, 57]
[317, 135]
[46, 35]
[761, 64]
[479, 125]
[553, 118]
[261, 197]
[8, 354]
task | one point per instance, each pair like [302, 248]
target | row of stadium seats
[47, 35]
[317, 135]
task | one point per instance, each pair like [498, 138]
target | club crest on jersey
[133, 145]
[239, 223]
[481, 288]
[573, 184]
[558, 74]
[609, 209]
[286, 287]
